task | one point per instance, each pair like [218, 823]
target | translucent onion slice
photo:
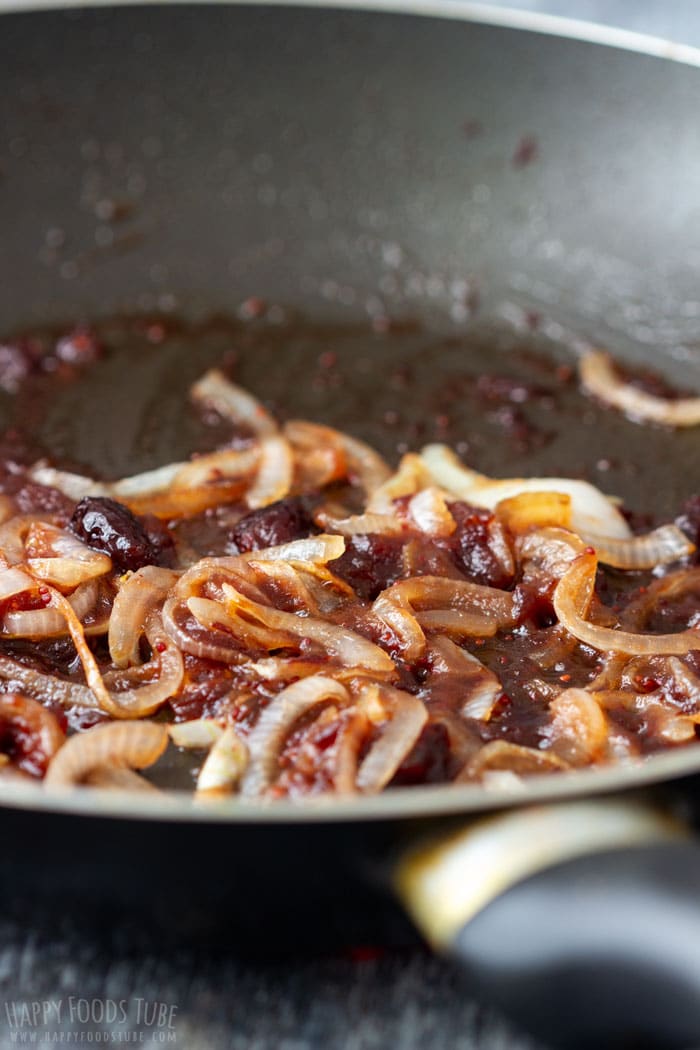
[598, 377]
[315, 464]
[196, 733]
[430, 512]
[578, 730]
[134, 745]
[49, 623]
[232, 403]
[572, 598]
[512, 758]
[479, 688]
[409, 479]
[20, 714]
[224, 765]
[14, 581]
[365, 467]
[275, 471]
[59, 558]
[361, 524]
[45, 687]
[408, 716]
[215, 644]
[275, 723]
[118, 778]
[341, 644]
[659, 547]
[591, 511]
[139, 594]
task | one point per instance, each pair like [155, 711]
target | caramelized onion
[572, 598]
[118, 778]
[579, 729]
[361, 524]
[49, 623]
[139, 594]
[232, 403]
[198, 732]
[274, 477]
[410, 477]
[34, 728]
[535, 510]
[224, 765]
[408, 716]
[365, 467]
[480, 689]
[591, 511]
[340, 643]
[663, 545]
[430, 512]
[598, 377]
[275, 723]
[133, 745]
[513, 758]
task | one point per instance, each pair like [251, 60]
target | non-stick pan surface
[350, 166]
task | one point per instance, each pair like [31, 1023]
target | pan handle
[580, 921]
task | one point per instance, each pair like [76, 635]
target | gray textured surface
[405, 1001]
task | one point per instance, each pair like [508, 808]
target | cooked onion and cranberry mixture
[302, 619]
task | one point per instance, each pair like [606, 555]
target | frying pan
[329, 160]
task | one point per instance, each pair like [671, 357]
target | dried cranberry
[371, 563]
[429, 760]
[108, 526]
[281, 522]
[471, 545]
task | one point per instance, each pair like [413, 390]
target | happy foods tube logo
[80, 1021]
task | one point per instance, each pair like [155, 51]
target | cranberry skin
[108, 526]
[281, 522]
[371, 563]
[471, 546]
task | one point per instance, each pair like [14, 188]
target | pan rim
[406, 802]
[576, 29]
[396, 804]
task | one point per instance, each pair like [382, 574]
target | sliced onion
[314, 550]
[12, 534]
[579, 729]
[49, 622]
[361, 524]
[59, 558]
[232, 403]
[224, 765]
[45, 687]
[535, 510]
[134, 745]
[663, 545]
[166, 663]
[591, 511]
[410, 477]
[430, 512]
[196, 733]
[598, 377]
[274, 478]
[479, 688]
[213, 616]
[213, 644]
[20, 714]
[275, 723]
[408, 716]
[118, 778]
[340, 643]
[15, 581]
[572, 598]
[75, 486]
[138, 595]
[214, 467]
[316, 464]
[351, 736]
[513, 758]
[366, 467]
[399, 617]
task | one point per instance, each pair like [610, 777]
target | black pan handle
[579, 921]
